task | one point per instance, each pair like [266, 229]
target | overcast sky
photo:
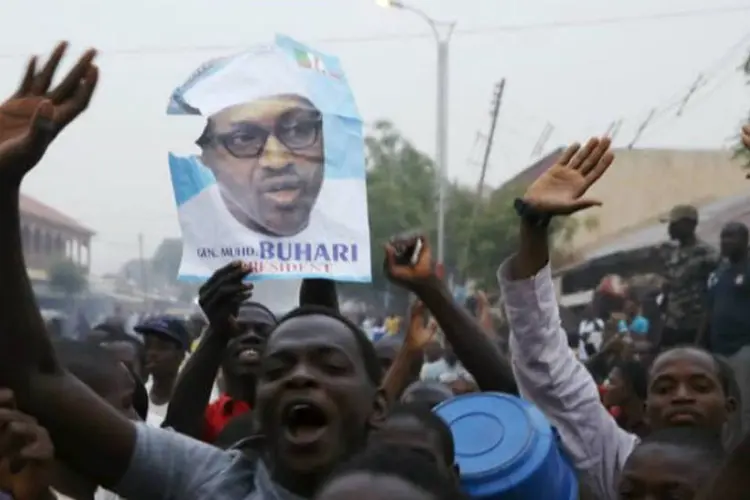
[577, 64]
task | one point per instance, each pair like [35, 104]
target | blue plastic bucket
[506, 449]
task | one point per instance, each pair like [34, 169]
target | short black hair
[724, 371]
[430, 421]
[115, 333]
[90, 363]
[413, 467]
[704, 442]
[428, 393]
[66, 352]
[369, 356]
[320, 292]
[635, 375]
[736, 226]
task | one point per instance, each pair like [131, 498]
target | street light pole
[441, 135]
[441, 118]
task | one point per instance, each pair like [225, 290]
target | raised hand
[35, 114]
[482, 301]
[220, 297]
[560, 190]
[745, 134]
[26, 452]
[408, 261]
[419, 334]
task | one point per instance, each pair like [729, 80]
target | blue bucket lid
[506, 448]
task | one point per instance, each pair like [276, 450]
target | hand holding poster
[280, 178]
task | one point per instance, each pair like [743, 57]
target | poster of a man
[278, 176]
[268, 160]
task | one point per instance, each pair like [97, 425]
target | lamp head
[390, 4]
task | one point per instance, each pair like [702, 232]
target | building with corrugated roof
[628, 255]
[640, 187]
[50, 236]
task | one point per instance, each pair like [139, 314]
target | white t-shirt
[433, 371]
[156, 413]
[455, 373]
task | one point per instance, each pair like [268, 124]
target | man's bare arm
[88, 434]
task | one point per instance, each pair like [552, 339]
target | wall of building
[44, 244]
[644, 184]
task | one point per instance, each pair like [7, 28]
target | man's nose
[275, 154]
[250, 339]
[301, 377]
[683, 394]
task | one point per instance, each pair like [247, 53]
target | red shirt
[219, 413]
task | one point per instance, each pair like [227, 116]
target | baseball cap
[681, 212]
[168, 327]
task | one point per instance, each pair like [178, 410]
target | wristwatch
[531, 216]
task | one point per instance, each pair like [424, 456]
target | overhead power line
[674, 107]
[478, 31]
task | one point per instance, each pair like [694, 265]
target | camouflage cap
[681, 212]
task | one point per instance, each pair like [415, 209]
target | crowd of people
[307, 406]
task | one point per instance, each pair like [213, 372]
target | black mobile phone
[408, 255]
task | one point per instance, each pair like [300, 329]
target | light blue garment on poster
[279, 177]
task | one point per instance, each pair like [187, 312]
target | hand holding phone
[408, 260]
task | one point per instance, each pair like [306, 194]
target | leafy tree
[166, 260]
[401, 192]
[162, 270]
[67, 277]
[131, 270]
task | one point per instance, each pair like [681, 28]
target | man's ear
[731, 404]
[646, 418]
[379, 410]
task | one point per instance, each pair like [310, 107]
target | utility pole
[543, 138]
[693, 89]
[611, 128]
[497, 99]
[615, 130]
[643, 126]
[443, 32]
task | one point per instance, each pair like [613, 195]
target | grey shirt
[549, 375]
[169, 466]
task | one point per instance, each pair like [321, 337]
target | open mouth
[304, 423]
[248, 356]
[283, 191]
[284, 197]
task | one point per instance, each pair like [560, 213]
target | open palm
[32, 117]
[560, 190]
